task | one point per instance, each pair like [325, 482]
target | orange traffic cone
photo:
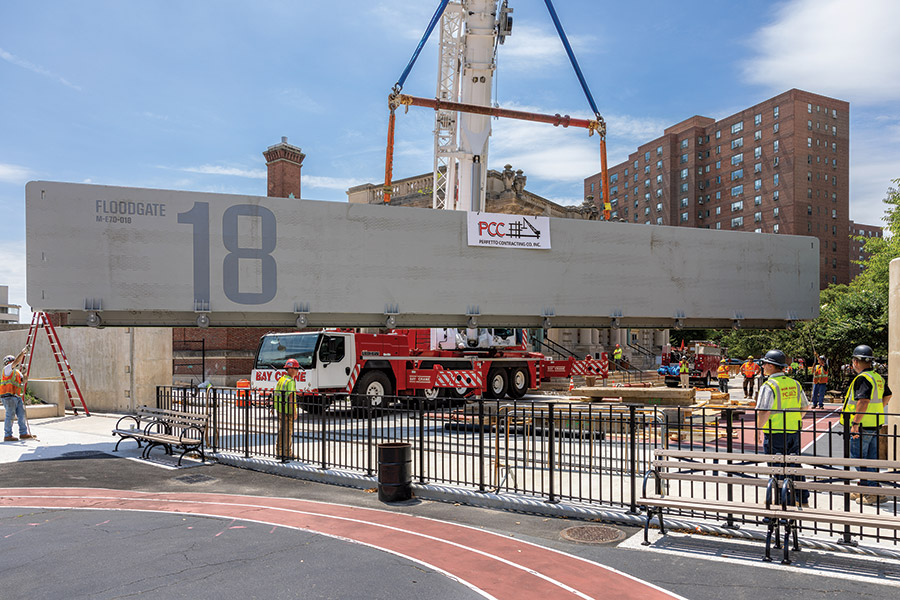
[571, 384]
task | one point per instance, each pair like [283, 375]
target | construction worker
[865, 404]
[285, 408]
[12, 390]
[820, 383]
[617, 356]
[684, 372]
[723, 376]
[779, 411]
[795, 368]
[749, 370]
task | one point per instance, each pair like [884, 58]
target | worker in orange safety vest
[749, 370]
[723, 376]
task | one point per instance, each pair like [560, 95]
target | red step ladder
[42, 320]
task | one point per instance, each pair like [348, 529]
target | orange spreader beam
[556, 120]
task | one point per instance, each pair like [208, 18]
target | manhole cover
[593, 534]
[195, 478]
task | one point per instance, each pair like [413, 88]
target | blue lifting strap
[437, 15]
[565, 41]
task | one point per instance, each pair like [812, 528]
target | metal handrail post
[421, 440]
[632, 460]
[551, 454]
[481, 445]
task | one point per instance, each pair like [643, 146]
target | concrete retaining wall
[117, 369]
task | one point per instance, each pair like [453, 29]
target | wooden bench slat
[735, 456]
[748, 481]
[840, 474]
[731, 468]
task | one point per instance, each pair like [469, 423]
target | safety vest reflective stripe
[723, 372]
[785, 416]
[874, 411]
[617, 353]
[683, 368]
[820, 375]
[283, 390]
[749, 369]
[12, 384]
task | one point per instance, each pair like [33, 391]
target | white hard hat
[8, 359]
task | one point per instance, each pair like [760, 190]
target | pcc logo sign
[509, 231]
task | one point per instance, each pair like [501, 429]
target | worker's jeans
[685, 380]
[285, 444]
[865, 446]
[13, 405]
[818, 395]
[748, 387]
[723, 386]
[785, 444]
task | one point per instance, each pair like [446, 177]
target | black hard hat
[775, 357]
[863, 352]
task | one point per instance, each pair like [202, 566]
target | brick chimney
[284, 162]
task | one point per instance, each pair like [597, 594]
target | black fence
[555, 451]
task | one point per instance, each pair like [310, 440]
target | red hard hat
[292, 364]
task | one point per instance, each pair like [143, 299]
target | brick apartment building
[856, 247]
[780, 166]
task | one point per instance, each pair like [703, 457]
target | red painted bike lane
[495, 565]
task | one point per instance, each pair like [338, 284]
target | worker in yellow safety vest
[723, 376]
[684, 372]
[820, 383]
[285, 407]
[865, 405]
[749, 370]
[617, 357]
[780, 408]
[12, 393]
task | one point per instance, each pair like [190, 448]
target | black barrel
[394, 472]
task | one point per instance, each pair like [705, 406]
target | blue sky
[187, 95]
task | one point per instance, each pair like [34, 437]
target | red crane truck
[371, 367]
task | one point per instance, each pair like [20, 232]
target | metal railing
[554, 451]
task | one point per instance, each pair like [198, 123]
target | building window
[833, 113]
[809, 142]
[757, 184]
[647, 156]
[612, 179]
[737, 127]
[737, 222]
[737, 205]
[757, 217]
[718, 134]
[757, 168]
[834, 213]
[684, 202]
[775, 179]
[775, 161]
[659, 193]
[775, 195]
[647, 169]
[646, 210]
[757, 230]
[659, 220]
[737, 143]
[757, 152]
[659, 178]
[775, 212]
[775, 128]
[809, 108]
[833, 130]
[718, 226]
[737, 174]
[684, 158]
[635, 165]
[775, 112]
[757, 200]
[659, 207]
[646, 183]
[718, 210]
[684, 187]
[718, 195]
[809, 125]
[737, 191]
[737, 158]
[684, 173]
[659, 164]
[757, 135]
[757, 119]
[809, 175]
[775, 146]
[659, 151]
[775, 228]
[647, 197]
[626, 172]
[684, 143]
[809, 192]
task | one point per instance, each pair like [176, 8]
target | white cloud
[20, 62]
[531, 48]
[843, 49]
[15, 174]
[12, 274]
[220, 170]
[330, 183]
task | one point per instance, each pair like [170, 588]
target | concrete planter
[40, 411]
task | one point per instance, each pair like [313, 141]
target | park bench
[168, 429]
[762, 486]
